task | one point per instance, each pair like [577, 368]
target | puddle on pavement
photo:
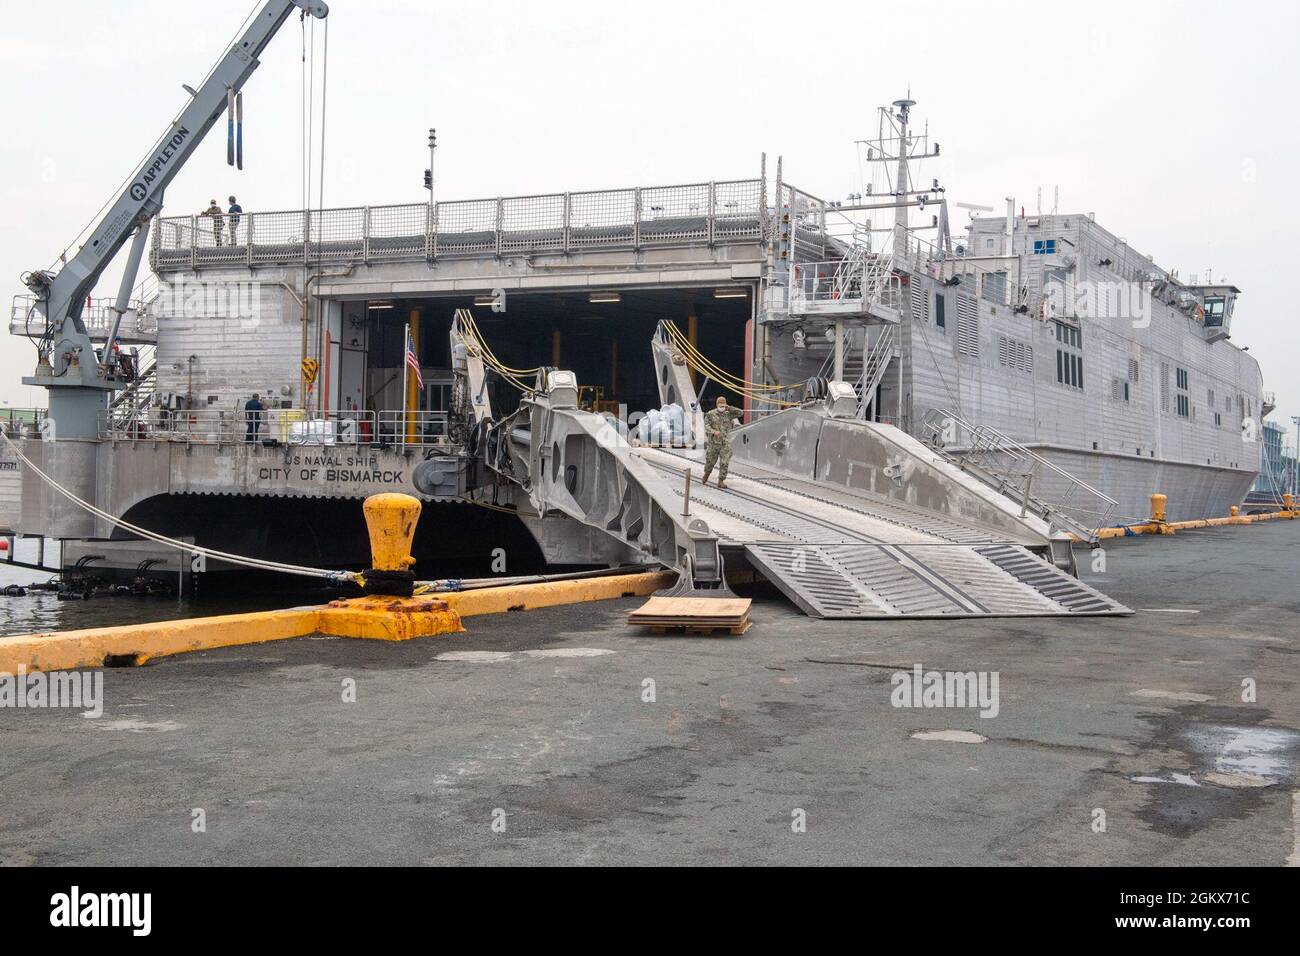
[1232, 769]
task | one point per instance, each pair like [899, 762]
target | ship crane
[77, 378]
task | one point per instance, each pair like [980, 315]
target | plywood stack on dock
[693, 615]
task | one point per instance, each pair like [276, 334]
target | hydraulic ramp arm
[69, 366]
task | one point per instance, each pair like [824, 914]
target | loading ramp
[840, 553]
[850, 519]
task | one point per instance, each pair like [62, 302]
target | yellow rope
[485, 352]
[467, 319]
[704, 364]
[698, 362]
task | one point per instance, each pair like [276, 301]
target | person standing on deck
[214, 211]
[253, 409]
[235, 212]
[717, 439]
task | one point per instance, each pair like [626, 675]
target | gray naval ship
[1046, 332]
[998, 394]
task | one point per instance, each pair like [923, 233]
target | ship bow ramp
[849, 519]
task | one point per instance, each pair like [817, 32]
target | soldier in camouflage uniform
[717, 439]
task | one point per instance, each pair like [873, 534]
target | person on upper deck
[214, 212]
[235, 213]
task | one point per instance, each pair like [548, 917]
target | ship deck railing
[98, 316]
[716, 213]
[287, 427]
[1019, 473]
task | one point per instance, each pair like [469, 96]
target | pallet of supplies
[693, 615]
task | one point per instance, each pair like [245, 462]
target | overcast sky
[1173, 122]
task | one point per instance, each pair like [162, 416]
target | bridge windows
[1214, 309]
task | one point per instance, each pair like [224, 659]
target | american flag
[413, 361]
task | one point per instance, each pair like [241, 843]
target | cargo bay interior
[603, 336]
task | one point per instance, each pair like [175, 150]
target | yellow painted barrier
[1158, 524]
[135, 644]
[372, 617]
[525, 597]
[390, 520]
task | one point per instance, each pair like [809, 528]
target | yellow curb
[1175, 526]
[137, 643]
[525, 597]
[375, 618]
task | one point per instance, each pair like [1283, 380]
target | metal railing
[714, 212]
[873, 367]
[422, 428]
[22, 422]
[291, 427]
[1012, 469]
[849, 285]
[97, 315]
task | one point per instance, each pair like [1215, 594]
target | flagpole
[406, 370]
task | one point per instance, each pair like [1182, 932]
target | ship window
[1214, 305]
[1044, 247]
[1069, 369]
[1181, 376]
[1184, 409]
[1068, 335]
[940, 319]
[994, 287]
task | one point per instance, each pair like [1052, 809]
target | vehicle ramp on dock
[850, 519]
[843, 553]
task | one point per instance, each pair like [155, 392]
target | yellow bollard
[391, 520]
[1288, 500]
[1158, 502]
[1234, 511]
[389, 612]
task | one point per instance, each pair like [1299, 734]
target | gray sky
[1173, 122]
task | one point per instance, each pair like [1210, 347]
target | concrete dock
[531, 739]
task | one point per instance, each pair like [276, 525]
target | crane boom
[71, 356]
